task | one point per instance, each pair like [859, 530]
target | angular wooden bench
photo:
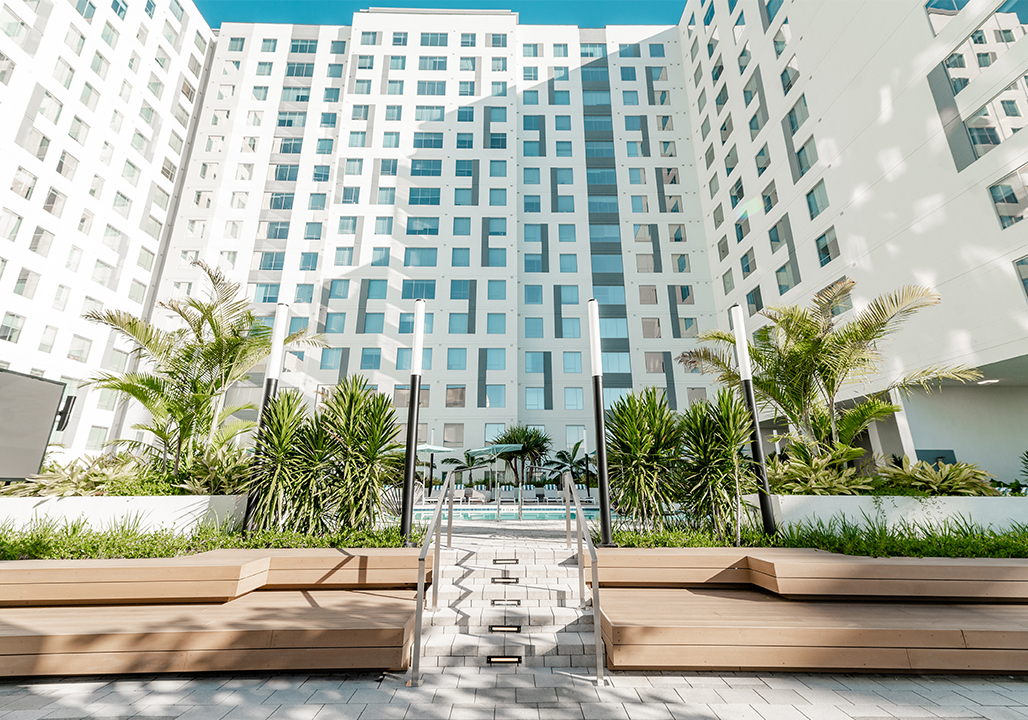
[796, 609]
[226, 610]
[217, 576]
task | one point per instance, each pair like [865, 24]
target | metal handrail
[569, 494]
[435, 527]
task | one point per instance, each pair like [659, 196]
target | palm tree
[644, 446]
[459, 464]
[186, 373]
[535, 445]
[569, 461]
[802, 360]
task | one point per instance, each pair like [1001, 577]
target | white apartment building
[342, 169]
[752, 154]
[876, 141]
[96, 108]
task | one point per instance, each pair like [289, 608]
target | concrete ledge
[178, 513]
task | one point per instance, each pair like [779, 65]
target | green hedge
[74, 541]
[876, 540]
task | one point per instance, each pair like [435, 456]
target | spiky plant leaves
[644, 444]
[535, 445]
[277, 472]
[803, 360]
[716, 473]
[370, 458]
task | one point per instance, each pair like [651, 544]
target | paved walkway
[519, 693]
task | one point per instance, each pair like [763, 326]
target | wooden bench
[796, 609]
[217, 576]
[734, 629]
[227, 610]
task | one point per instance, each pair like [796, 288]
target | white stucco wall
[982, 425]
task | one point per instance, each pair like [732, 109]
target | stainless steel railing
[585, 537]
[435, 528]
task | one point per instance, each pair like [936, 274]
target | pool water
[487, 513]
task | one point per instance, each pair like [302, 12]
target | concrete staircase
[514, 604]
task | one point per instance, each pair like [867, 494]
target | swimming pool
[506, 513]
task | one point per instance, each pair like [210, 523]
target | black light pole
[407, 507]
[742, 352]
[272, 373]
[601, 429]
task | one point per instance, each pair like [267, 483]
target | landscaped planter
[180, 513]
[998, 513]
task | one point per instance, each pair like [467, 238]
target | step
[534, 644]
[480, 569]
[525, 616]
[553, 661]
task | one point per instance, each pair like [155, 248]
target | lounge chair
[553, 494]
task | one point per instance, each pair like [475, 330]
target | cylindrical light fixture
[742, 352]
[273, 365]
[596, 357]
[407, 505]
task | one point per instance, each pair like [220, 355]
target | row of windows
[336, 47]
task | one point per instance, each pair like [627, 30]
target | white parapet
[180, 513]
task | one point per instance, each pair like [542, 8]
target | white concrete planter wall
[180, 513]
[997, 513]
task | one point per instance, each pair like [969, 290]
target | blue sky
[587, 13]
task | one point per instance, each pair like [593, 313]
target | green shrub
[943, 479]
[48, 541]
[825, 474]
[874, 539]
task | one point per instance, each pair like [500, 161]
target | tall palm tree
[185, 373]
[570, 461]
[803, 359]
[535, 445]
[463, 463]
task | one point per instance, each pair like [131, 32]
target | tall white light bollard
[742, 352]
[596, 357]
[407, 506]
[273, 373]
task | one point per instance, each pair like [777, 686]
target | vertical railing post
[407, 504]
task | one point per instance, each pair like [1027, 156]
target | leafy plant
[535, 445]
[644, 443]
[803, 360]
[185, 373]
[716, 472]
[92, 475]
[50, 541]
[569, 461]
[943, 479]
[807, 474]
[318, 472]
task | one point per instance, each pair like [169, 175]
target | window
[394, 87]
[1010, 108]
[456, 359]
[431, 87]
[379, 257]
[497, 40]
[495, 395]
[428, 140]
[418, 290]
[798, 114]
[827, 247]
[817, 200]
[266, 293]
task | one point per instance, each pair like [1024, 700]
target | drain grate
[504, 659]
[506, 561]
[505, 580]
[505, 628]
[505, 602]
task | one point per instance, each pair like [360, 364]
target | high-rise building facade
[505, 173]
[97, 106]
[752, 154]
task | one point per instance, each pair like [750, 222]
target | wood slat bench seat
[736, 629]
[266, 630]
[797, 573]
[217, 576]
